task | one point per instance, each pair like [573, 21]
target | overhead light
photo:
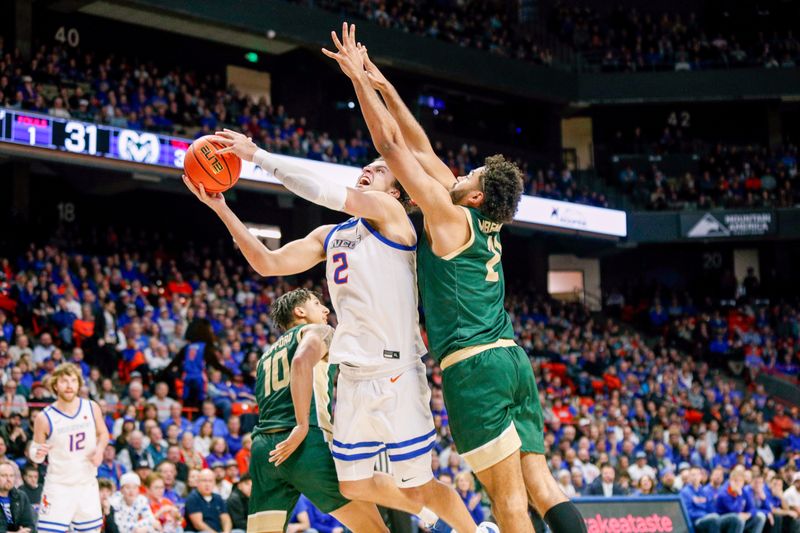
[264, 232]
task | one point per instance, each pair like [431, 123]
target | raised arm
[411, 130]
[310, 186]
[316, 339]
[446, 222]
[292, 258]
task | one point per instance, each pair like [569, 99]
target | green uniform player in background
[488, 383]
[290, 453]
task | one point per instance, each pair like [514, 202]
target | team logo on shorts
[44, 508]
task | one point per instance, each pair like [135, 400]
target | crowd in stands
[491, 26]
[143, 96]
[724, 176]
[628, 39]
[623, 415]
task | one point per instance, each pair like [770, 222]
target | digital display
[43, 131]
[98, 140]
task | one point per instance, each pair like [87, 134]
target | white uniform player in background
[383, 395]
[72, 435]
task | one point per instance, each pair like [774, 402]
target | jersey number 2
[340, 273]
[494, 247]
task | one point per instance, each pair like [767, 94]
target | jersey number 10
[276, 371]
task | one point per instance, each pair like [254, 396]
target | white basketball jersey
[72, 440]
[373, 287]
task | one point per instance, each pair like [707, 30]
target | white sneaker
[488, 527]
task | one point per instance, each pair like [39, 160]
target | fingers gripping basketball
[217, 172]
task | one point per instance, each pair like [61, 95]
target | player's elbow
[388, 141]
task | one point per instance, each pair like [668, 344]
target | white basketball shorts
[385, 413]
[70, 506]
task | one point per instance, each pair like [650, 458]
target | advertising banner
[653, 514]
[727, 224]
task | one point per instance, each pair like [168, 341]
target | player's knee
[418, 495]
[354, 490]
[511, 505]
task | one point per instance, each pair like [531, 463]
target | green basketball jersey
[463, 293]
[274, 395]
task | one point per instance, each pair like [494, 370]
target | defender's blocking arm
[413, 133]
[445, 221]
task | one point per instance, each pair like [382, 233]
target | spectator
[110, 468]
[209, 414]
[237, 504]
[163, 402]
[732, 500]
[307, 517]
[702, 510]
[465, 485]
[205, 510]
[605, 484]
[132, 512]
[13, 402]
[564, 481]
[641, 468]
[17, 510]
[164, 510]
[646, 486]
[107, 490]
[174, 489]
[135, 452]
[31, 485]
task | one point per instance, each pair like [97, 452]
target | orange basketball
[202, 164]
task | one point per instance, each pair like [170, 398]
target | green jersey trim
[466, 245]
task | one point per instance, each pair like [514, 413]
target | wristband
[35, 446]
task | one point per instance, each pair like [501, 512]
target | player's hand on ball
[236, 143]
[376, 77]
[349, 57]
[284, 449]
[213, 201]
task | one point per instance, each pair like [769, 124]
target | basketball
[202, 164]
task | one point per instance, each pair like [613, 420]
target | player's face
[464, 190]
[67, 387]
[375, 177]
[6, 478]
[316, 313]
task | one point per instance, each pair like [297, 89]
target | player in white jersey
[72, 434]
[383, 396]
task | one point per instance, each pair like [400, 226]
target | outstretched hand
[376, 77]
[349, 57]
[235, 143]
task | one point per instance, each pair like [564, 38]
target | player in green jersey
[488, 383]
[290, 442]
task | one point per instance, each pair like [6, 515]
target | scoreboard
[85, 138]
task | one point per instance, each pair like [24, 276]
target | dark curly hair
[501, 183]
[282, 311]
